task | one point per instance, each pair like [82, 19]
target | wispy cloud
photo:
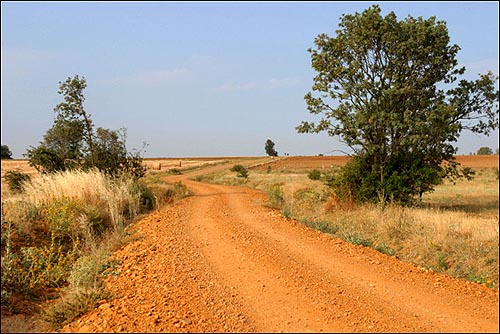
[236, 87]
[24, 59]
[251, 85]
[153, 77]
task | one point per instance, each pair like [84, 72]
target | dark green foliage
[175, 171]
[314, 174]
[241, 170]
[6, 153]
[269, 147]
[146, 195]
[484, 151]
[45, 160]
[377, 88]
[16, 180]
[71, 143]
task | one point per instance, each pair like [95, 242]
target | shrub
[175, 171]
[314, 174]
[275, 195]
[16, 180]
[241, 170]
[144, 194]
[45, 266]
[62, 215]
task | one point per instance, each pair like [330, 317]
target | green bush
[241, 170]
[175, 171]
[145, 194]
[275, 195]
[16, 180]
[314, 174]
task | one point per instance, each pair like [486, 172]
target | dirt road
[221, 261]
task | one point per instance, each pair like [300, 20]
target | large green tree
[389, 89]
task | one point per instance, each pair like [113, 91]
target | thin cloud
[251, 85]
[153, 77]
[236, 87]
[24, 59]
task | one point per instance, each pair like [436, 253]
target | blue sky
[197, 78]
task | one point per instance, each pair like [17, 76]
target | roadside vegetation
[59, 226]
[453, 230]
[59, 231]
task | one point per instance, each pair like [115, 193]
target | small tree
[6, 153]
[484, 151]
[71, 143]
[270, 148]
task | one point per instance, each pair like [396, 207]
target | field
[324, 162]
[454, 231]
[157, 164]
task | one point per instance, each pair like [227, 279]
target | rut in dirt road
[222, 261]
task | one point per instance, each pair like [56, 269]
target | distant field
[307, 163]
[478, 160]
[281, 163]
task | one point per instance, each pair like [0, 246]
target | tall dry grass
[61, 230]
[114, 199]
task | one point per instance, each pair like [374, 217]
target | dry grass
[57, 219]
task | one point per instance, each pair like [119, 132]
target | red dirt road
[220, 261]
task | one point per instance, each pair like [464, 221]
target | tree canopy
[390, 90]
[6, 153]
[485, 151]
[269, 147]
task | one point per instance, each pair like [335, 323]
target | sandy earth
[221, 261]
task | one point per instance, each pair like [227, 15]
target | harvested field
[478, 160]
[304, 163]
[180, 163]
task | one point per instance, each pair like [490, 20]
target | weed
[357, 240]
[323, 226]
[275, 195]
[16, 180]
[383, 248]
[481, 278]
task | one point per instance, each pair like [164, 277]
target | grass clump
[275, 196]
